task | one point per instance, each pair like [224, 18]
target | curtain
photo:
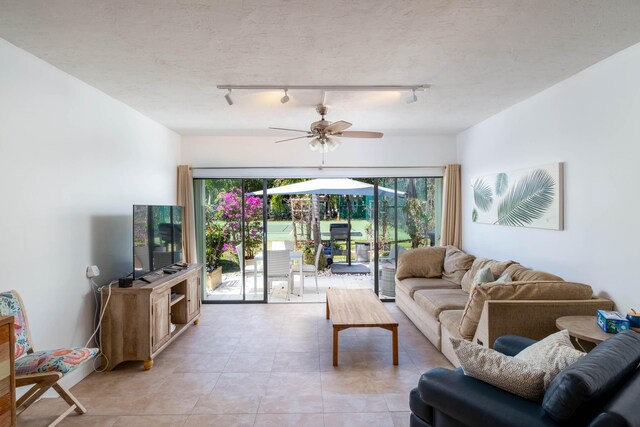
[185, 199]
[452, 209]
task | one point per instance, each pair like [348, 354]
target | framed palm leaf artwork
[530, 197]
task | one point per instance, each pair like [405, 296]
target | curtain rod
[313, 167]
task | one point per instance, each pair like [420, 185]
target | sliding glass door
[259, 238]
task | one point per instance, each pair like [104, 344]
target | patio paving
[231, 288]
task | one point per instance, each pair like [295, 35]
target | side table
[584, 330]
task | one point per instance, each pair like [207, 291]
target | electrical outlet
[92, 271]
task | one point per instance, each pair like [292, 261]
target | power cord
[97, 290]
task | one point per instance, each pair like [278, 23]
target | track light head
[412, 98]
[285, 98]
[228, 98]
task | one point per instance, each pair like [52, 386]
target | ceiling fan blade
[337, 127]
[292, 130]
[360, 134]
[297, 137]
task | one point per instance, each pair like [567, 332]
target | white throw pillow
[552, 354]
[505, 372]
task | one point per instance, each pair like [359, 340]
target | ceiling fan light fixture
[285, 98]
[315, 144]
[228, 98]
[333, 143]
[412, 98]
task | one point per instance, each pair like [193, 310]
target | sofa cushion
[411, 285]
[421, 262]
[505, 372]
[450, 319]
[497, 268]
[456, 264]
[434, 301]
[551, 290]
[520, 273]
[593, 376]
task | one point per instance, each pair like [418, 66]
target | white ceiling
[165, 57]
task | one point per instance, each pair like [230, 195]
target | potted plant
[215, 239]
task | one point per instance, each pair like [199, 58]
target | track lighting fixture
[362, 88]
[228, 98]
[412, 98]
[285, 98]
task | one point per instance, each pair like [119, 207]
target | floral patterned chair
[41, 369]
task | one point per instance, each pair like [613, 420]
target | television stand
[137, 320]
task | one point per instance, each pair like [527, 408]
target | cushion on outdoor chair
[10, 306]
[63, 360]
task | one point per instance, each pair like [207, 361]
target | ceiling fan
[325, 133]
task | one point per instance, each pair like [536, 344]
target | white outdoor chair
[279, 245]
[279, 267]
[244, 269]
[307, 268]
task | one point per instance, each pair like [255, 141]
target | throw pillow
[421, 262]
[508, 373]
[552, 354]
[497, 268]
[456, 264]
[484, 275]
[505, 278]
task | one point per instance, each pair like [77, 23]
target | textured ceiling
[164, 58]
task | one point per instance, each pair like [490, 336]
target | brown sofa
[434, 288]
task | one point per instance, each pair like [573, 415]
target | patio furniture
[308, 268]
[340, 233]
[278, 245]
[41, 369]
[244, 268]
[278, 267]
[295, 258]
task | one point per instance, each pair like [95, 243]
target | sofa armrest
[530, 318]
[511, 345]
[474, 402]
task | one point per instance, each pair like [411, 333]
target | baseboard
[67, 381]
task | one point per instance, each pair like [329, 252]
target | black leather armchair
[448, 398]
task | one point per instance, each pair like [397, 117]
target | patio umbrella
[339, 186]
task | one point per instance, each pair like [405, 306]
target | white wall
[591, 122]
[260, 151]
[73, 161]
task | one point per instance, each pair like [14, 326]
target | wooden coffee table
[358, 308]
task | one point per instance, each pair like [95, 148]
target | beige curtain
[452, 208]
[185, 199]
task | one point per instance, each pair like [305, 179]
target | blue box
[612, 322]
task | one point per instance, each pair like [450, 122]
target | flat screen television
[157, 238]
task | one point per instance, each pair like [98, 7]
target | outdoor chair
[281, 245]
[244, 269]
[41, 369]
[279, 267]
[307, 268]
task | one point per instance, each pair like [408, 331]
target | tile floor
[258, 365]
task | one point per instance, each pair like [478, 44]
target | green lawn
[283, 230]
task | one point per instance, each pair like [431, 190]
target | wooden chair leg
[34, 394]
[69, 398]
[62, 416]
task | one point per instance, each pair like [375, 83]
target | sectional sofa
[435, 289]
